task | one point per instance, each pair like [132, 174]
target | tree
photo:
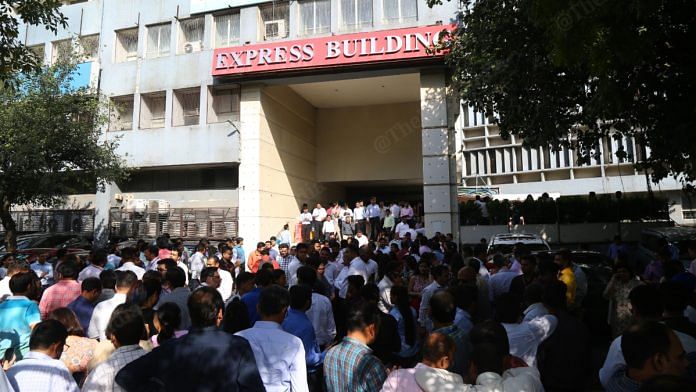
[568, 73]
[51, 145]
[14, 55]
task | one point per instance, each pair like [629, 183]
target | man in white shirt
[391, 278]
[197, 262]
[226, 280]
[395, 210]
[524, 337]
[43, 269]
[41, 369]
[318, 216]
[284, 236]
[95, 267]
[320, 313]
[500, 282]
[441, 275]
[302, 253]
[125, 280]
[359, 217]
[365, 253]
[176, 256]
[361, 238]
[401, 228]
[280, 356]
[128, 256]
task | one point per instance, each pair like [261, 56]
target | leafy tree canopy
[547, 69]
[14, 55]
[51, 141]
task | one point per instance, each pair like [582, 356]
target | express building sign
[340, 50]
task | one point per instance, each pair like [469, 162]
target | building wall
[369, 143]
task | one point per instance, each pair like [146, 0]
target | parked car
[52, 240]
[650, 240]
[503, 243]
[598, 270]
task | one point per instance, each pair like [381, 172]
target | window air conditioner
[195, 46]
[275, 29]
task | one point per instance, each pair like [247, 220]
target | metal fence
[214, 223]
[54, 221]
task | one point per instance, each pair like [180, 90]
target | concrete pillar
[102, 205]
[439, 109]
[249, 179]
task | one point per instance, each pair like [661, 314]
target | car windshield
[507, 248]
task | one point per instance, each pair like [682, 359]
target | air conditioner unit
[195, 46]
[275, 29]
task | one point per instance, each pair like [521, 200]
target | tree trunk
[9, 224]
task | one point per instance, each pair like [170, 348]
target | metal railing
[53, 221]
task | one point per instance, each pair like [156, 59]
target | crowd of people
[384, 309]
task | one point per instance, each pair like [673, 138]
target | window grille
[40, 52]
[62, 51]
[191, 35]
[275, 18]
[122, 114]
[89, 47]
[226, 30]
[355, 14]
[315, 17]
[224, 105]
[152, 110]
[399, 11]
[126, 45]
[158, 40]
[187, 111]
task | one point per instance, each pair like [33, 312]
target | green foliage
[570, 209]
[51, 141]
[590, 67]
[14, 55]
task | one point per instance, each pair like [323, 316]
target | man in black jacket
[206, 359]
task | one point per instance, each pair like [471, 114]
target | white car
[503, 243]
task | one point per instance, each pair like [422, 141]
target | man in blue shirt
[83, 306]
[297, 323]
[264, 278]
[19, 313]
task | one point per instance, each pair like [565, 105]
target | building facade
[258, 107]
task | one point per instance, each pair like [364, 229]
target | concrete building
[263, 106]
[506, 167]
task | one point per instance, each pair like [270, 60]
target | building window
[187, 104]
[175, 179]
[399, 11]
[275, 18]
[315, 17]
[152, 108]
[88, 47]
[158, 40]
[40, 52]
[355, 14]
[121, 118]
[191, 38]
[223, 104]
[62, 51]
[226, 30]
[126, 45]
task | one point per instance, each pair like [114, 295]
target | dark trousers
[315, 381]
[317, 229]
[374, 228]
[360, 226]
[305, 232]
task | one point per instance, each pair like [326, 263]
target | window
[62, 51]
[187, 105]
[126, 45]
[226, 30]
[275, 18]
[399, 11]
[158, 40]
[40, 52]
[121, 118]
[223, 104]
[152, 107]
[88, 47]
[315, 17]
[355, 14]
[175, 179]
[191, 38]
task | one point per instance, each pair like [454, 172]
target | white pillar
[439, 109]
